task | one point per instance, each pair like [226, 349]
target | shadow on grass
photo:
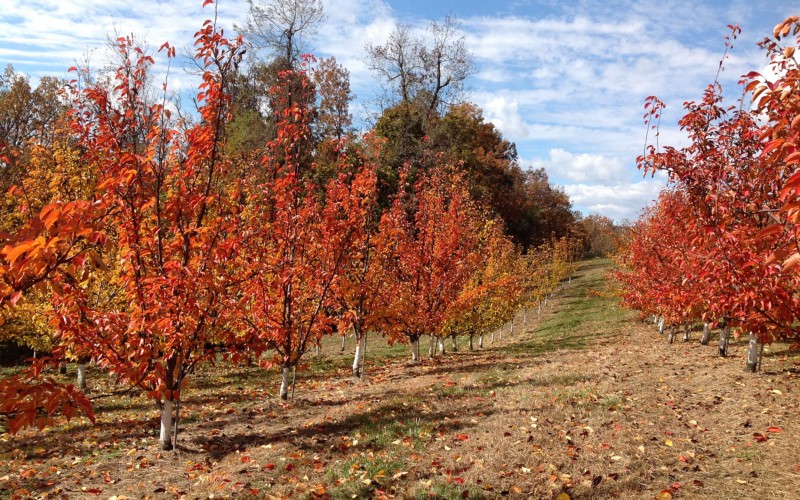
[379, 426]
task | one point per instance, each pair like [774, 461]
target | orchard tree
[299, 241]
[176, 219]
[436, 230]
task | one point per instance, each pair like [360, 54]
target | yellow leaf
[668, 442]
[563, 496]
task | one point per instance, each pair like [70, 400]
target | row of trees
[720, 244]
[150, 243]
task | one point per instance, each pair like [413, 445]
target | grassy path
[583, 400]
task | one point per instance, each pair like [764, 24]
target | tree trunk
[686, 329]
[706, 338]
[165, 439]
[62, 368]
[752, 353]
[539, 310]
[285, 373]
[415, 350]
[440, 345]
[671, 334]
[661, 325]
[344, 337]
[82, 376]
[364, 356]
[492, 340]
[480, 341]
[455, 344]
[722, 346]
[511, 328]
[175, 423]
[525, 316]
[471, 347]
[357, 360]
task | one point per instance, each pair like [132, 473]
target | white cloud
[585, 167]
[619, 201]
[505, 115]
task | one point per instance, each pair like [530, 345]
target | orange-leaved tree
[437, 230]
[300, 237]
[173, 207]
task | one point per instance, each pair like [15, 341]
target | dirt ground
[583, 401]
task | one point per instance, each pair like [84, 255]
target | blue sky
[564, 80]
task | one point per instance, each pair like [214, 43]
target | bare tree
[280, 26]
[397, 62]
[432, 67]
[446, 63]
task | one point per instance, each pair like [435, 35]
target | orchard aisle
[585, 401]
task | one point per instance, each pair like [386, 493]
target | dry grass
[583, 400]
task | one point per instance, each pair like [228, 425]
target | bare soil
[584, 400]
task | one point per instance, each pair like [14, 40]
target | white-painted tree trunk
[285, 374]
[511, 329]
[539, 310]
[686, 329]
[752, 353]
[344, 337]
[661, 325]
[706, 338]
[525, 316]
[492, 339]
[480, 341]
[440, 345]
[455, 343]
[722, 346]
[672, 334]
[82, 376]
[317, 349]
[165, 439]
[569, 281]
[357, 360]
[415, 350]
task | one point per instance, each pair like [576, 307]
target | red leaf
[774, 429]
[462, 437]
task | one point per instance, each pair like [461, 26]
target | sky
[564, 80]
